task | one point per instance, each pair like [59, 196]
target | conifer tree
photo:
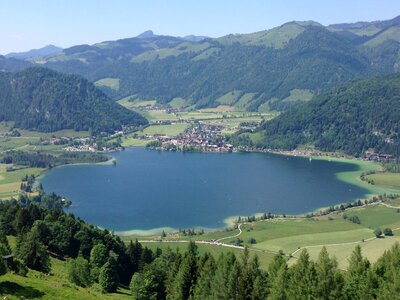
[302, 278]
[356, 276]
[280, 284]
[330, 281]
[108, 277]
[203, 289]
[33, 252]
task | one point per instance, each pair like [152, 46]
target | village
[198, 137]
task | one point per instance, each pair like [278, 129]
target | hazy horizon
[26, 25]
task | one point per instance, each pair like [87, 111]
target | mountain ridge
[45, 100]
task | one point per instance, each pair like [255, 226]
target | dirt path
[233, 236]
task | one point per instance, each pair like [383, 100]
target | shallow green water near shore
[150, 189]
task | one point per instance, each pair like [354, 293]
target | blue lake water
[150, 189]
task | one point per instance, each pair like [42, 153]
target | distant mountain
[352, 118]
[275, 69]
[45, 51]
[12, 64]
[146, 35]
[366, 28]
[195, 38]
[45, 100]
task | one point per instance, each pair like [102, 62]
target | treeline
[41, 159]
[45, 100]
[96, 255]
[353, 118]
[392, 166]
[43, 229]
[193, 276]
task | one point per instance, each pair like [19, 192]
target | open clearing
[10, 182]
[370, 249]
[387, 180]
[168, 130]
[377, 216]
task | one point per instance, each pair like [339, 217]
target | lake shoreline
[229, 221]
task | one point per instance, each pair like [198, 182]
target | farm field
[387, 180]
[377, 216]
[267, 237]
[372, 250]
[169, 130]
[10, 182]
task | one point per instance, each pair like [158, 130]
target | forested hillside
[97, 257]
[45, 100]
[265, 67]
[353, 118]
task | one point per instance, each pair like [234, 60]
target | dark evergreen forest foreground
[96, 256]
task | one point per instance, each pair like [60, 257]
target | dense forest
[353, 118]
[269, 64]
[45, 100]
[96, 255]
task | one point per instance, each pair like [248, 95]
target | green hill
[269, 64]
[45, 100]
[353, 118]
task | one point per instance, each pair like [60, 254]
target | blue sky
[27, 24]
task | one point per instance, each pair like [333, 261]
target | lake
[150, 189]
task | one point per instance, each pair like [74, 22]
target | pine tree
[134, 252]
[33, 252]
[303, 280]
[234, 283]
[280, 284]
[187, 275]
[356, 276]
[222, 275]
[108, 277]
[330, 281]
[276, 264]
[204, 282]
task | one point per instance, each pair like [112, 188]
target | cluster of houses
[372, 155]
[65, 141]
[200, 136]
[81, 148]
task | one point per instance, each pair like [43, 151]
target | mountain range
[274, 69]
[45, 51]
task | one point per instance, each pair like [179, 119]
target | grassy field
[371, 249]
[178, 102]
[132, 142]
[16, 143]
[112, 83]
[377, 216]
[10, 182]
[169, 130]
[387, 180]
[229, 98]
[7, 126]
[298, 94]
[37, 285]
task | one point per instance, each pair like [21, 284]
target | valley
[258, 165]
